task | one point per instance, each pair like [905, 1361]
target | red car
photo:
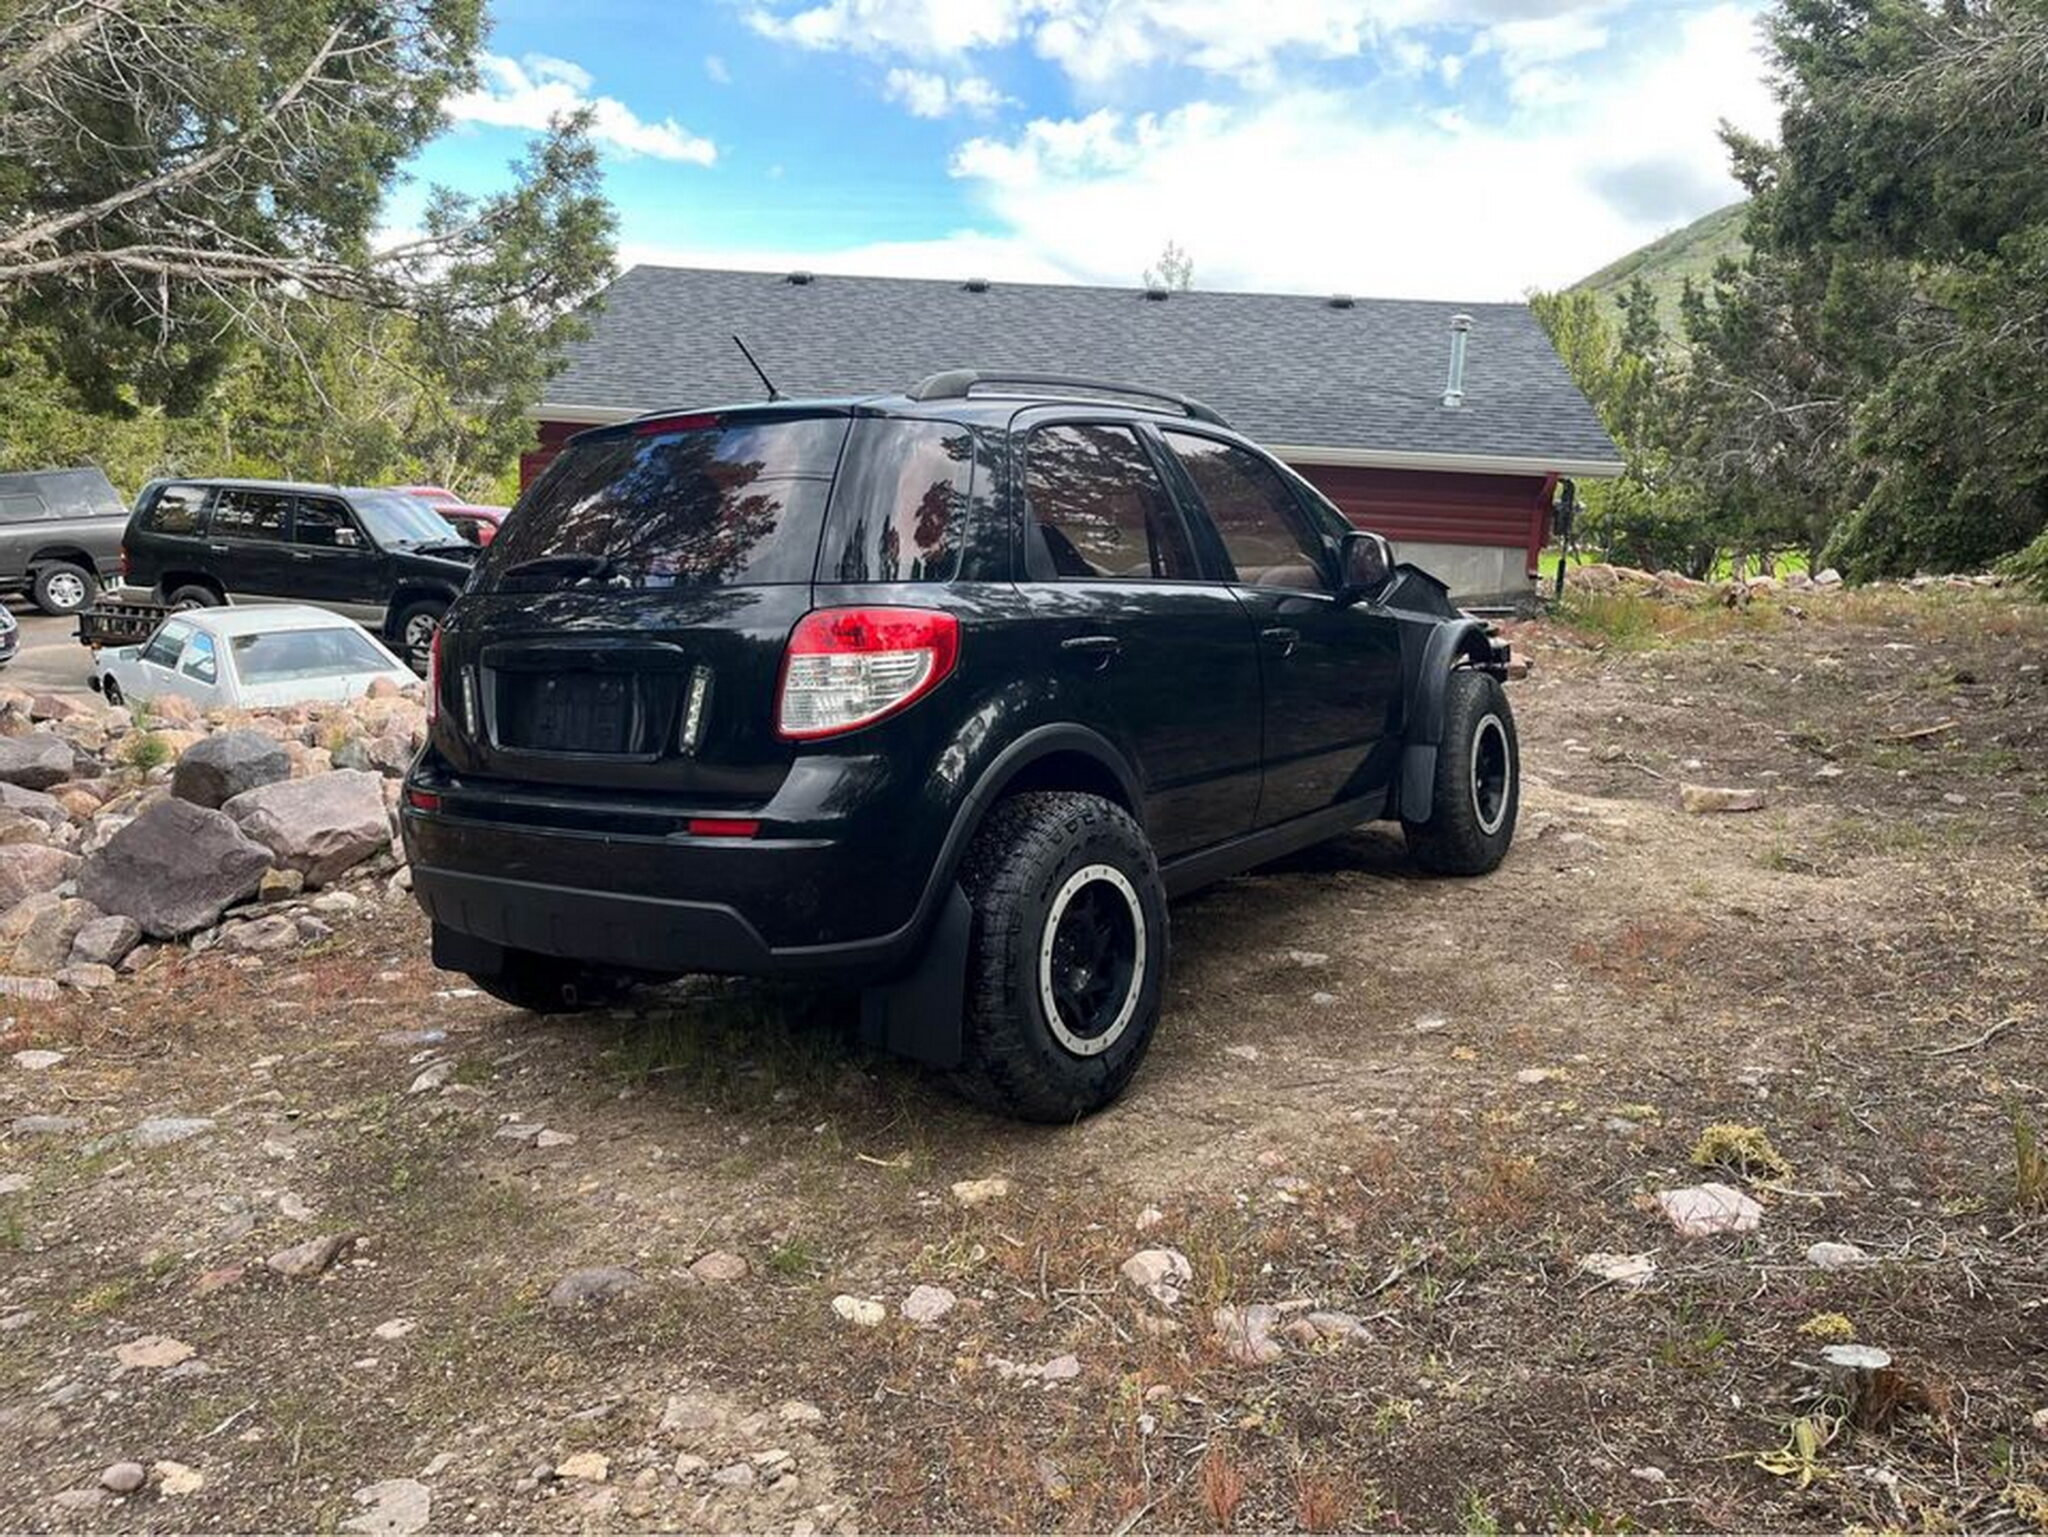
[475, 521]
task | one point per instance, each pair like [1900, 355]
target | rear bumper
[842, 894]
[639, 933]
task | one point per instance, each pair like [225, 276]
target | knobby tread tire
[1012, 1063]
[1452, 842]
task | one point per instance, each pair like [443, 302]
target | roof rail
[956, 383]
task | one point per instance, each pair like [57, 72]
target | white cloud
[1306, 190]
[915, 28]
[719, 72]
[529, 92]
[929, 94]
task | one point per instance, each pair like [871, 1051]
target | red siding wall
[551, 438]
[1441, 506]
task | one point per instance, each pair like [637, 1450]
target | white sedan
[249, 657]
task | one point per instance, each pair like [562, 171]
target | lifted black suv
[942, 694]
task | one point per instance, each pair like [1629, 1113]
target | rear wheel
[63, 588]
[1478, 789]
[414, 632]
[1067, 962]
[193, 596]
[547, 984]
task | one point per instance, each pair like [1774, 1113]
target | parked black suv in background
[381, 557]
[944, 694]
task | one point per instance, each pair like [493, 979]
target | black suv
[943, 694]
[378, 556]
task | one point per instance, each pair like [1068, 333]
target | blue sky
[1453, 149]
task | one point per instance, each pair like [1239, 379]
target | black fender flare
[1448, 644]
[917, 1015]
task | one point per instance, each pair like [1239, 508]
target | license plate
[582, 712]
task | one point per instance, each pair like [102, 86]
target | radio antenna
[760, 372]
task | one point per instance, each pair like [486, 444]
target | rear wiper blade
[582, 568]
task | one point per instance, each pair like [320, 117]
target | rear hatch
[624, 631]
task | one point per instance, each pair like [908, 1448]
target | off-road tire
[547, 984]
[1471, 815]
[62, 588]
[192, 595]
[1025, 856]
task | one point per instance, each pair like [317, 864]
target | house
[1359, 395]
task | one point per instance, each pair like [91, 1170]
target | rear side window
[713, 503]
[19, 508]
[240, 514]
[900, 504]
[1099, 509]
[176, 510]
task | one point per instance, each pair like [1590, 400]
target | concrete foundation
[1479, 575]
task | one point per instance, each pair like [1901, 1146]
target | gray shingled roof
[1286, 369]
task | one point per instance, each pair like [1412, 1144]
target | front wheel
[110, 690]
[194, 596]
[414, 632]
[1478, 788]
[1067, 963]
[546, 984]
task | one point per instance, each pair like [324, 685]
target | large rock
[33, 803]
[36, 761]
[174, 869]
[46, 945]
[321, 826]
[106, 940]
[29, 868]
[213, 772]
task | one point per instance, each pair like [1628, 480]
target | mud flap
[457, 951]
[1417, 794]
[919, 1014]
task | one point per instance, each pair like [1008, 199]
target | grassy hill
[1666, 262]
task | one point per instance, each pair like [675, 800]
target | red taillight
[434, 677]
[661, 426]
[722, 827]
[423, 800]
[848, 667]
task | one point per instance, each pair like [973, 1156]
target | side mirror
[1364, 562]
[345, 538]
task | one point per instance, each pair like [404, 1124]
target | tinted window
[199, 661]
[899, 503]
[240, 514]
[1263, 529]
[15, 509]
[1099, 509]
[169, 640]
[291, 655]
[176, 510]
[724, 504]
[322, 522]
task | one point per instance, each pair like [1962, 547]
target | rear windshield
[726, 504]
[293, 656]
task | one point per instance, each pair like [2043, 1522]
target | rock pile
[120, 826]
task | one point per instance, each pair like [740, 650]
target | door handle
[1284, 636]
[217, 549]
[302, 554]
[1099, 649]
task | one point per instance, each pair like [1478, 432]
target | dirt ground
[1422, 1102]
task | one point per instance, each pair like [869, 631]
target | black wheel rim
[1492, 773]
[1092, 960]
